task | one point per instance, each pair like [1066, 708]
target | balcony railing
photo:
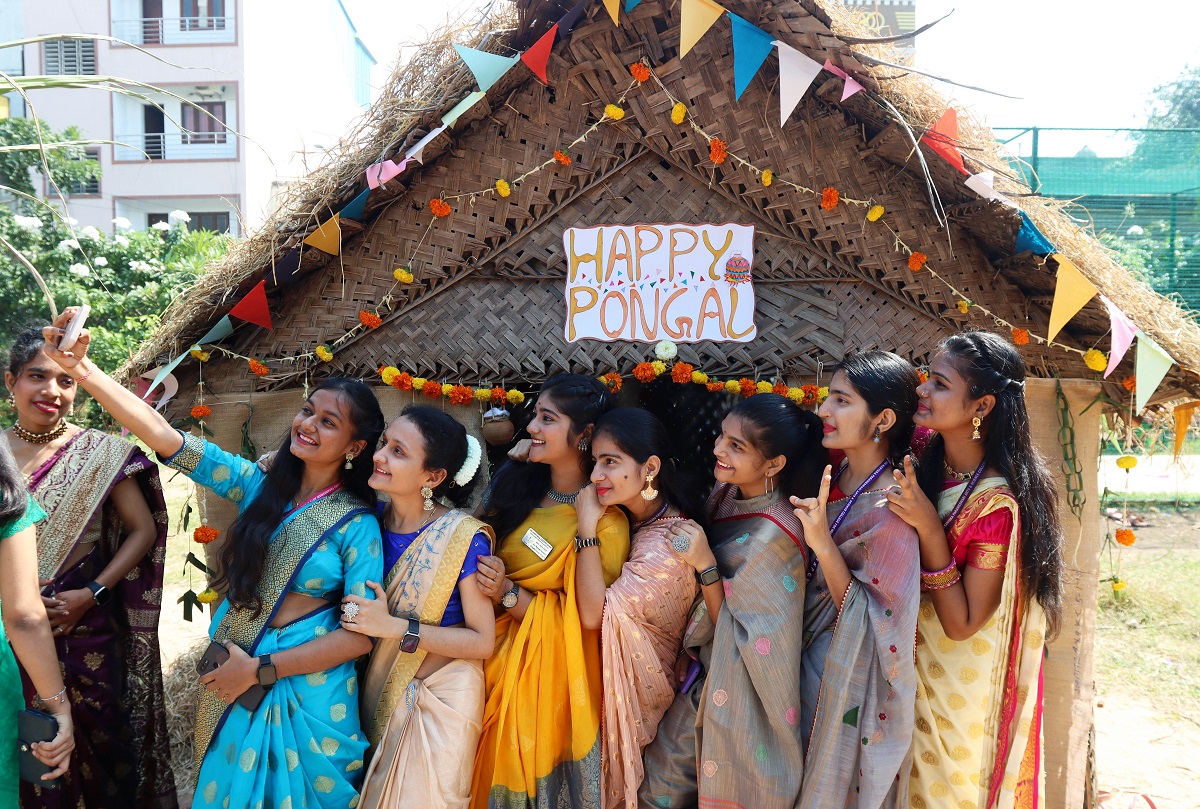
[175, 30]
[176, 146]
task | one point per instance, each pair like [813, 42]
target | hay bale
[179, 689]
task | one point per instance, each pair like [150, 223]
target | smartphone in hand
[74, 328]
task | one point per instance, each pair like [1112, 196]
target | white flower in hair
[666, 351]
[471, 464]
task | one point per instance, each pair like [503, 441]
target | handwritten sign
[646, 283]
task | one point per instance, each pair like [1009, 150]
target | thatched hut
[487, 303]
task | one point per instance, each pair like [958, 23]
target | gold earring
[427, 493]
[975, 422]
[349, 460]
[649, 493]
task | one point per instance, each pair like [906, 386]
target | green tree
[68, 161]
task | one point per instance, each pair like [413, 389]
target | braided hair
[991, 366]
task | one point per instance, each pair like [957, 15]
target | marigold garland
[431, 388]
[562, 157]
[258, 369]
[714, 387]
[1118, 585]
[810, 393]
[699, 378]
[1125, 537]
[515, 397]
[369, 319]
[498, 394]
[439, 207]
[717, 151]
[323, 353]
[829, 198]
[779, 388]
[461, 394]
[963, 306]
[201, 411]
[614, 112]
[796, 395]
[681, 373]
[747, 387]
[732, 386]
[678, 113]
[403, 275]
[1095, 359]
[205, 534]
[874, 213]
[1020, 337]
[612, 381]
[388, 373]
[644, 372]
[207, 596]
[767, 178]
[640, 72]
[402, 381]
[1130, 383]
[916, 260]
[503, 188]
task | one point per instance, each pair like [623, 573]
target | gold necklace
[961, 477]
[39, 438]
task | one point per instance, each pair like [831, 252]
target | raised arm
[123, 405]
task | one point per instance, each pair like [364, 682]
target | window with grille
[217, 221]
[204, 122]
[90, 187]
[69, 57]
[196, 15]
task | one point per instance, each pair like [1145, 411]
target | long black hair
[27, 345]
[13, 496]
[244, 553]
[445, 447]
[778, 426]
[519, 487]
[639, 435]
[991, 366]
[886, 380]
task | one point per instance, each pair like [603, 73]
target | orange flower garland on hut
[562, 157]
[258, 369]
[717, 151]
[1020, 337]
[612, 381]
[439, 207]
[205, 534]
[369, 319]
[640, 72]
[829, 198]
[917, 260]
[201, 411]
[681, 373]
[1125, 537]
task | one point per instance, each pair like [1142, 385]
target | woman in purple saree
[100, 562]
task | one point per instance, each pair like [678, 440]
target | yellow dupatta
[978, 711]
[541, 723]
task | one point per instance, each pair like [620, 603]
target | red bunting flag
[539, 53]
[943, 139]
[253, 308]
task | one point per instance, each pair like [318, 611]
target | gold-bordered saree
[424, 732]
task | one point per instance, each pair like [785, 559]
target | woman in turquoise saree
[305, 535]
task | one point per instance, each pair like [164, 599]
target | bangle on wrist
[940, 579]
[60, 697]
[79, 380]
[586, 542]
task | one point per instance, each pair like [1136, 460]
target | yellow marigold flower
[874, 213]
[503, 188]
[699, 377]
[822, 393]
[963, 306]
[678, 113]
[203, 356]
[1126, 462]
[764, 387]
[796, 395]
[1095, 359]
[446, 388]
[402, 275]
[389, 374]
[768, 177]
[483, 394]
[323, 353]
[614, 112]
[207, 596]
[1118, 586]
[732, 386]
[515, 397]
[419, 382]
[659, 367]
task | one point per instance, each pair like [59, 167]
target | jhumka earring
[876, 438]
[349, 459]
[427, 493]
[975, 422]
[583, 445]
[649, 493]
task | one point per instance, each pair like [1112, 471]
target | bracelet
[60, 697]
[589, 542]
[81, 379]
[941, 579]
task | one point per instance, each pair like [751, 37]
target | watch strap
[100, 593]
[513, 595]
[412, 637]
[708, 576]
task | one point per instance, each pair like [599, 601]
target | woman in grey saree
[860, 614]
[732, 736]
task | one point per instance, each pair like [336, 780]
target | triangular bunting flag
[486, 67]
[982, 184]
[698, 17]
[170, 387]
[380, 173]
[163, 373]
[751, 45]
[286, 267]
[630, 5]
[568, 21]
[470, 101]
[354, 208]
[222, 329]
[943, 139]
[1183, 418]
[613, 6]
[1122, 329]
[851, 86]
[1151, 366]
[327, 237]
[253, 308]
[1031, 239]
[796, 74]
[1071, 292]
[539, 53]
[417, 151]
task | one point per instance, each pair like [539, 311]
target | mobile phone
[214, 655]
[74, 328]
[35, 726]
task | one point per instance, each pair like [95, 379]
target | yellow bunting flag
[1071, 293]
[698, 17]
[613, 6]
[1183, 417]
[327, 237]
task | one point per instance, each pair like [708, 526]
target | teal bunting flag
[1031, 239]
[354, 208]
[751, 46]
[486, 67]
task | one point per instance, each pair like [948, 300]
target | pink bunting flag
[851, 87]
[1122, 335]
[380, 173]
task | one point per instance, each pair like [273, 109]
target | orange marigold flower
[432, 388]
[810, 393]
[439, 207]
[639, 71]
[205, 534]
[258, 369]
[681, 372]
[829, 198]
[402, 381]
[1130, 383]
[1020, 337]
[499, 394]
[1126, 537]
[369, 319]
[715, 387]
[717, 151]
[461, 394]
[612, 380]
[644, 372]
[780, 388]
[923, 376]
[562, 157]
[916, 260]
[201, 411]
[747, 387]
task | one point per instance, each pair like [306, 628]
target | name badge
[536, 543]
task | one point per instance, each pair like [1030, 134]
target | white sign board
[646, 283]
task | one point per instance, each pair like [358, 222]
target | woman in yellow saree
[422, 698]
[991, 575]
[541, 724]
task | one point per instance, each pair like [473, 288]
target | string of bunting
[797, 72]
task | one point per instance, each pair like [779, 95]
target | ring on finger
[680, 542]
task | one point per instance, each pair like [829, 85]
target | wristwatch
[267, 676]
[708, 576]
[100, 594]
[509, 599]
[586, 542]
[412, 637]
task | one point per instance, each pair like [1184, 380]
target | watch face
[267, 676]
[509, 601]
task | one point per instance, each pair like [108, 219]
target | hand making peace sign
[810, 511]
[911, 504]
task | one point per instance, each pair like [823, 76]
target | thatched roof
[860, 142]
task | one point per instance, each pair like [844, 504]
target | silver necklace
[560, 497]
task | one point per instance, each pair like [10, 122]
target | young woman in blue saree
[306, 534]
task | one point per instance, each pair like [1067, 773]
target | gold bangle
[941, 579]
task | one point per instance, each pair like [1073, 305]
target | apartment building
[245, 94]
